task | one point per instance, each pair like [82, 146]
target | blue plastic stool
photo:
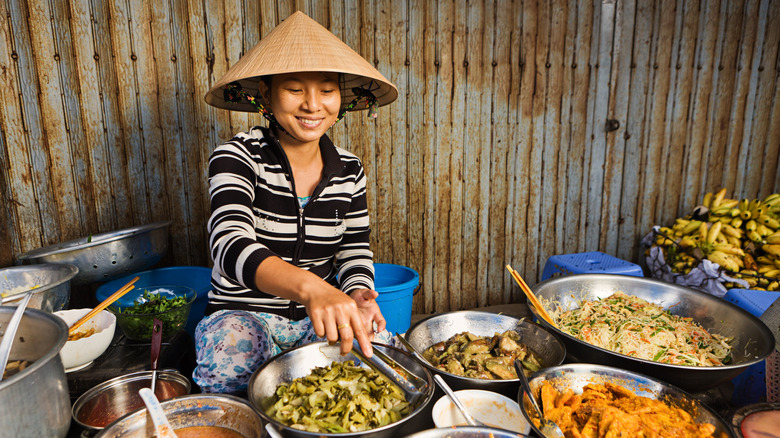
[750, 385]
[593, 262]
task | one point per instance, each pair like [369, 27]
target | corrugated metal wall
[523, 129]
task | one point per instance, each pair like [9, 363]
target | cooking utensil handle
[384, 368]
[156, 345]
[446, 388]
[10, 332]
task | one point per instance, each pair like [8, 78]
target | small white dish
[78, 367]
[489, 407]
[78, 354]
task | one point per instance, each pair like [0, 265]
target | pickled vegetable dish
[483, 357]
[340, 398]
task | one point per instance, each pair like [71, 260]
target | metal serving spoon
[10, 332]
[548, 427]
[447, 390]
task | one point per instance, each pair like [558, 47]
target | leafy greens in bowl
[169, 304]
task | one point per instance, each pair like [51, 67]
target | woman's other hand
[369, 310]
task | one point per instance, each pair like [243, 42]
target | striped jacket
[255, 214]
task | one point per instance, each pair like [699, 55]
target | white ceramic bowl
[488, 407]
[81, 352]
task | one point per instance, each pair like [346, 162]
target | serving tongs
[383, 364]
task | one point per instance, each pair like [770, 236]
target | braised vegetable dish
[482, 357]
[609, 410]
[340, 398]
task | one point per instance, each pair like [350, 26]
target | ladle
[447, 390]
[548, 427]
[10, 332]
[156, 345]
[161, 424]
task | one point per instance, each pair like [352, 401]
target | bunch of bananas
[742, 236]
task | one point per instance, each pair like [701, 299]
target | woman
[289, 229]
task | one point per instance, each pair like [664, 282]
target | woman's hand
[369, 310]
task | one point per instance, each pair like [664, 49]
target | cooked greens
[342, 397]
[482, 357]
[137, 321]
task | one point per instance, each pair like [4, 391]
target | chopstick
[107, 302]
[531, 297]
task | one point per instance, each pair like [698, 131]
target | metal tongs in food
[412, 386]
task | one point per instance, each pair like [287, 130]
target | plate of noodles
[680, 335]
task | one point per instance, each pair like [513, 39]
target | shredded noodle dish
[632, 326]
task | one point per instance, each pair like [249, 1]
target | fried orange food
[608, 410]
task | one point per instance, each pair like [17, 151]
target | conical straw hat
[300, 44]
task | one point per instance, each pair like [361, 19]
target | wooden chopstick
[531, 297]
[107, 302]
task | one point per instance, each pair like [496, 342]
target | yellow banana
[754, 236]
[703, 232]
[773, 249]
[769, 221]
[773, 286]
[730, 203]
[772, 199]
[728, 248]
[732, 231]
[752, 282]
[751, 225]
[772, 274]
[734, 241]
[764, 260]
[707, 200]
[748, 272]
[713, 232]
[736, 222]
[745, 215]
[743, 204]
[723, 260]
[680, 223]
[777, 263]
[666, 231]
[763, 269]
[718, 198]
[763, 230]
[687, 242]
[735, 212]
[690, 227]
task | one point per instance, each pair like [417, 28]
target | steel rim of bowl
[191, 297]
[166, 374]
[470, 380]
[70, 271]
[97, 240]
[607, 371]
[646, 361]
[277, 425]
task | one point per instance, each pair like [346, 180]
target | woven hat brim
[300, 44]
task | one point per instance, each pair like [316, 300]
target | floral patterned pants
[231, 344]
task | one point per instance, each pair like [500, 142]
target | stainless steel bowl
[103, 404]
[221, 410]
[752, 343]
[466, 432]
[106, 256]
[299, 361]
[35, 402]
[437, 328]
[576, 376]
[49, 283]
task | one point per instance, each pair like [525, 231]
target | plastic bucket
[195, 277]
[396, 286]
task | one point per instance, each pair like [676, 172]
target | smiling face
[305, 104]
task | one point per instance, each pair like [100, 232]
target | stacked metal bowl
[48, 282]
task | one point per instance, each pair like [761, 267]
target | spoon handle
[161, 424]
[10, 333]
[446, 388]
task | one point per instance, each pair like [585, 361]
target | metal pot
[752, 339]
[49, 283]
[36, 402]
[112, 399]
[299, 361]
[227, 411]
[466, 432]
[437, 328]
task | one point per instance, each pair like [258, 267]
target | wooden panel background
[497, 150]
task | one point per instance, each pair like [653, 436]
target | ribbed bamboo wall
[523, 128]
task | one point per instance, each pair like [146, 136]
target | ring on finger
[342, 326]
